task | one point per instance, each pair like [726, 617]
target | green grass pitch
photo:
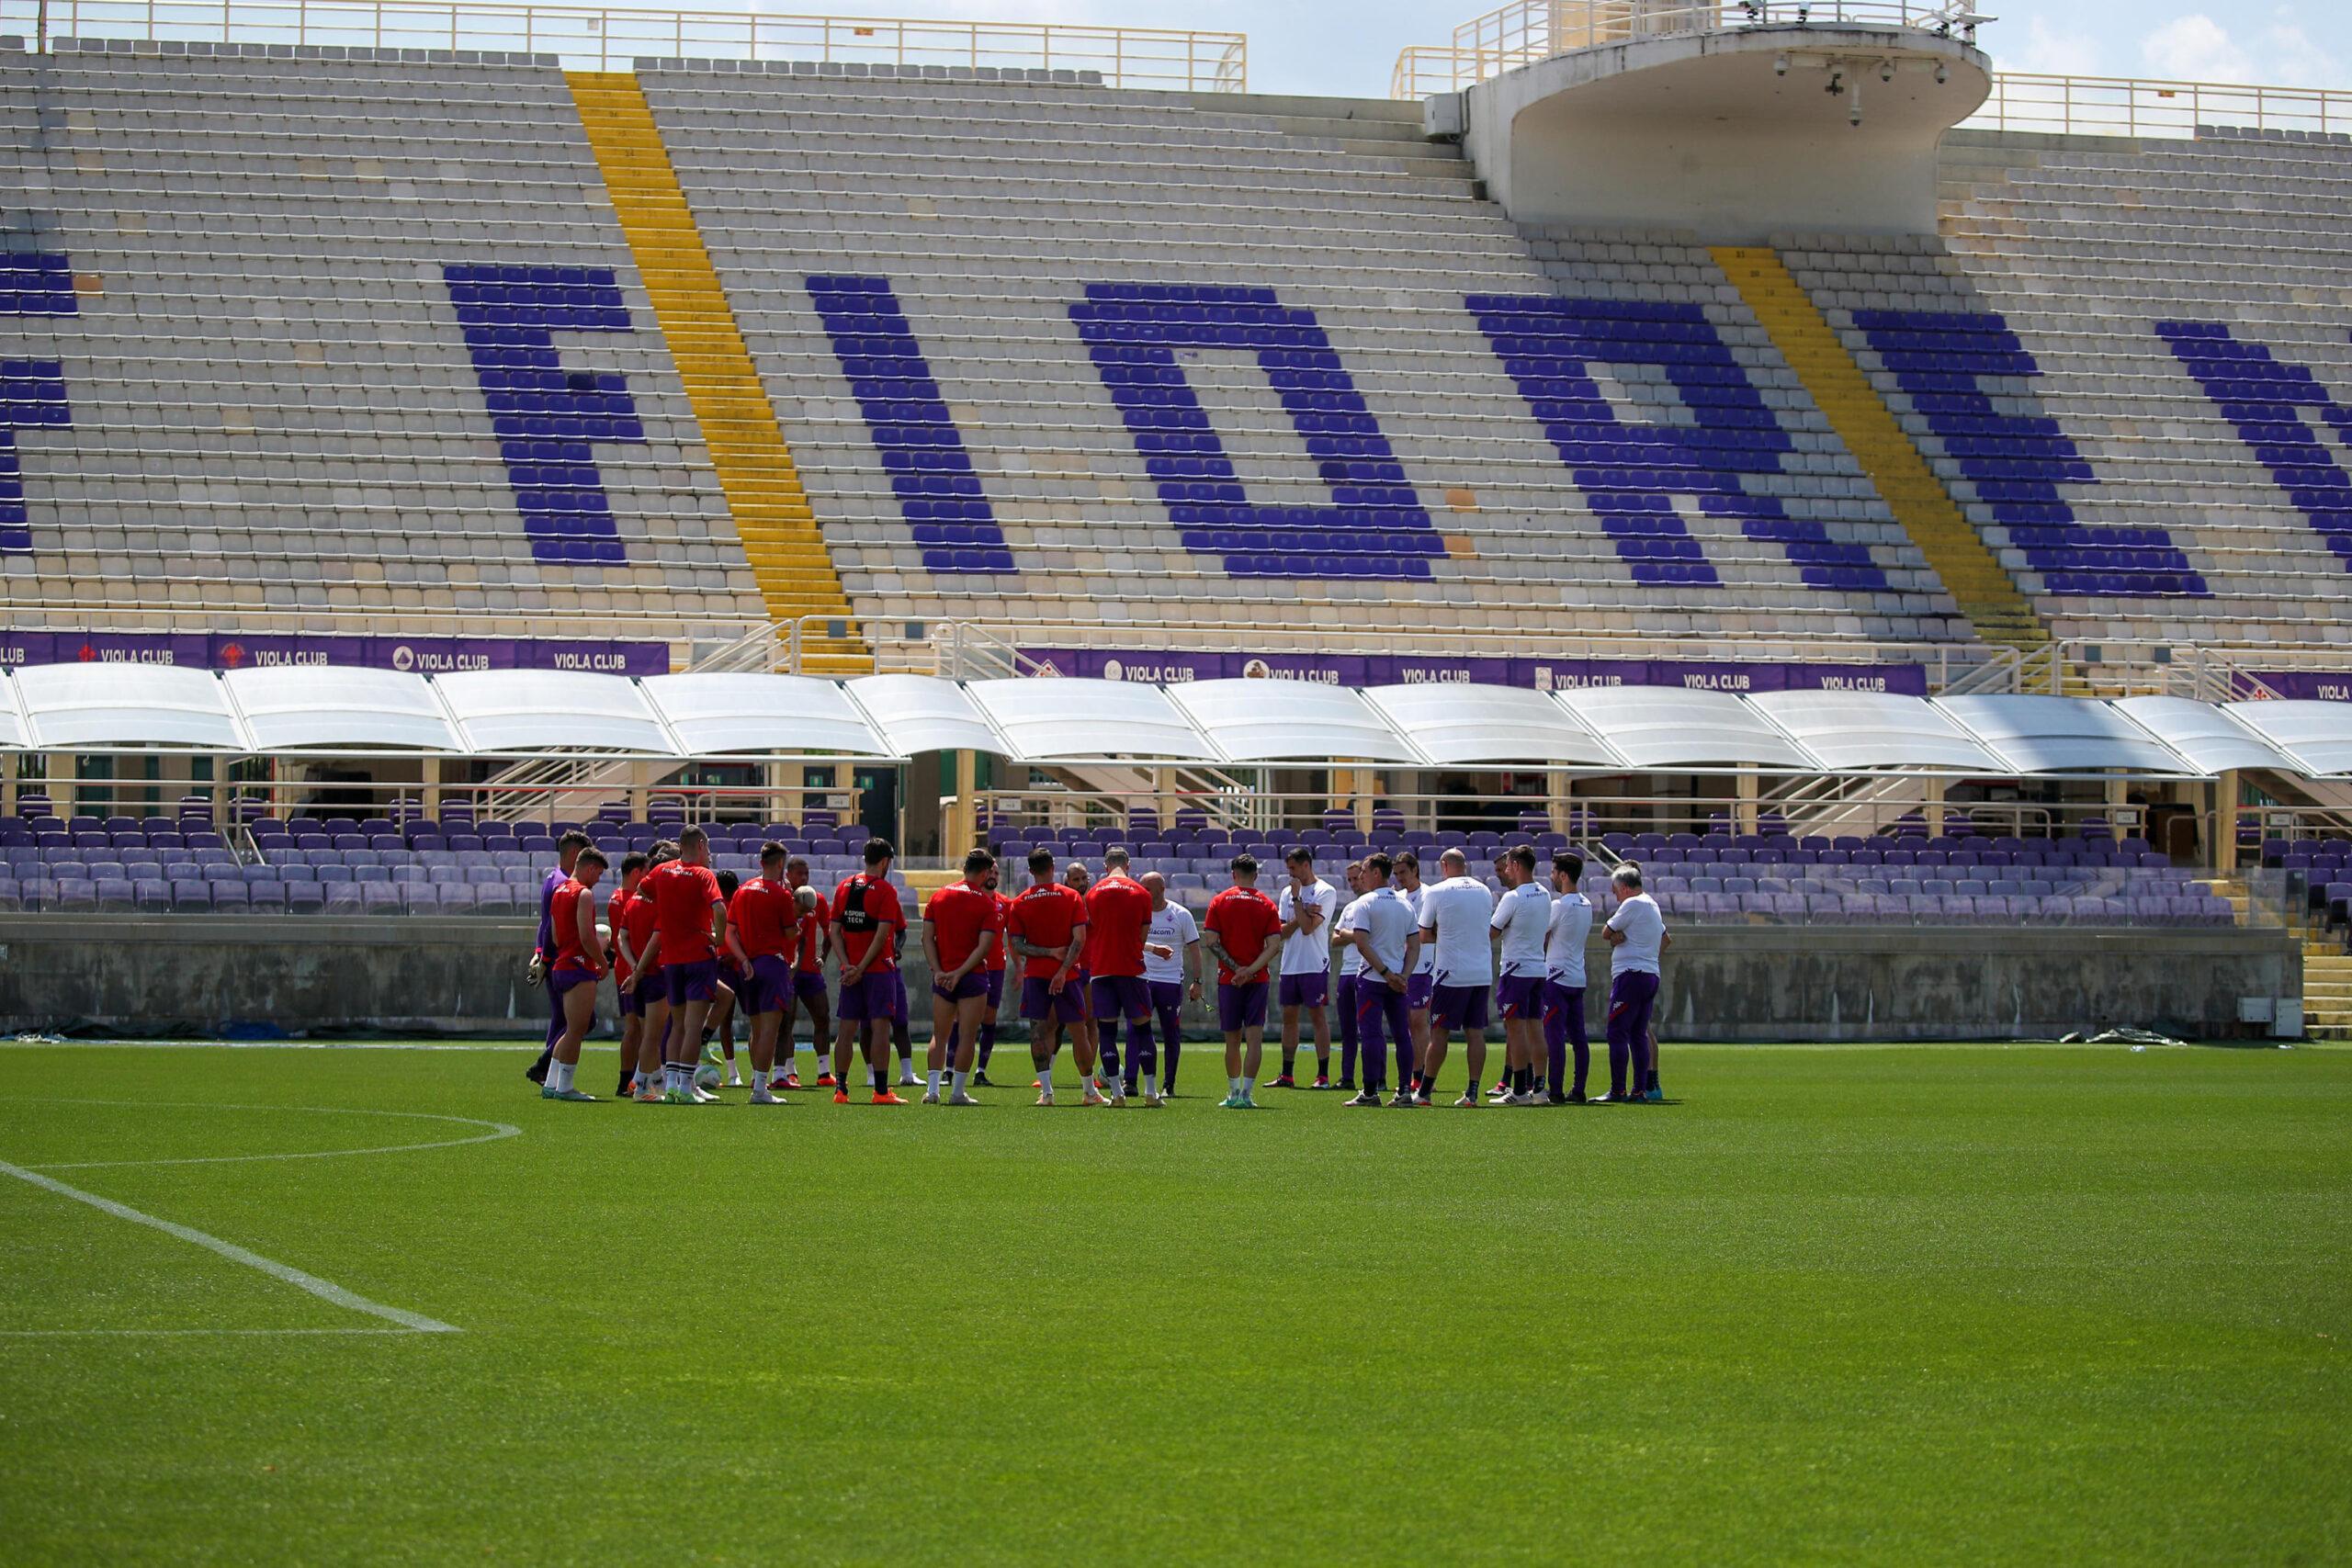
[1921, 1304]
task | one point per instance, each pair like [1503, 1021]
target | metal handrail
[1529, 31]
[611, 38]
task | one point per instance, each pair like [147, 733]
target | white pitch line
[109, 1332]
[325, 1289]
[497, 1130]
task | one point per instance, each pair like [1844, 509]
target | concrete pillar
[1745, 811]
[1934, 789]
[2221, 847]
[1558, 787]
[8, 785]
[2118, 799]
[959, 827]
[429, 772]
[60, 783]
[641, 790]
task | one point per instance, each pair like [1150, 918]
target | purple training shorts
[1121, 996]
[630, 1006]
[968, 986]
[898, 978]
[1520, 996]
[1305, 990]
[771, 987]
[1039, 1002]
[868, 996]
[1240, 1007]
[697, 982]
[995, 977]
[1417, 990]
[1458, 1007]
[807, 983]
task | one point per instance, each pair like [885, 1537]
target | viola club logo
[404, 657]
[1113, 671]
[232, 655]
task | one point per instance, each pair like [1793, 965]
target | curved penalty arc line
[494, 1132]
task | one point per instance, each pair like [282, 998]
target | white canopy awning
[1876, 729]
[504, 711]
[1457, 726]
[720, 714]
[309, 707]
[1276, 721]
[2317, 736]
[1090, 720]
[1669, 727]
[2064, 735]
[922, 713]
[14, 735]
[79, 706]
[2208, 736]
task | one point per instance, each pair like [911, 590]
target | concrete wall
[198, 977]
[1702, 133]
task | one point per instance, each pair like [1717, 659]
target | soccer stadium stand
[407, 336]
[2173, 303]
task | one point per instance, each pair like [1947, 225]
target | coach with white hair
[1637, 941]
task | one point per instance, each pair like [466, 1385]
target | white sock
[1248, 1088]
[1232, 1086]
[931, 1080]
[555, 1078]
[961, 1080]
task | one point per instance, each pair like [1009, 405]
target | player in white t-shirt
[1350, 966]
[1386, 936]
[1521, 917]
[1308, 905]
[1454, 916]
[1418, 983]
[1171, 970]
[1637, 936]
[1563, 943]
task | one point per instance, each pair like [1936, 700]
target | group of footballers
[690, 950]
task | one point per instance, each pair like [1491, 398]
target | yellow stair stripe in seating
[1985, 592]
[773, 517]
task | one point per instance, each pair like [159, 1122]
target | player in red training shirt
[807, 982]
[1045, 928]
[689, 922]
[635, 940]
[763, 933]
[961, 926]
[867, 921]
[1240, 929]
[625, 989]
[579, 964]
[1118, 920]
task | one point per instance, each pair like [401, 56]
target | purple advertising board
[2308, 686]
[422, 655]
[1163, 668]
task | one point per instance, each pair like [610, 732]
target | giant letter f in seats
[32, 392]
[547, 419]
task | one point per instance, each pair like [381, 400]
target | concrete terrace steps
[778, 528]
[1987, 594]
[2327, 992]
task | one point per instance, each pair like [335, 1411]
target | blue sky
[1347, 50]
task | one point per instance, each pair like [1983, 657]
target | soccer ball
[713, 1069]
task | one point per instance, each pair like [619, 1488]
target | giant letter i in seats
[1137, 334]
[547, 419]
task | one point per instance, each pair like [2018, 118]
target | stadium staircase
[755, 469]
[1987, 592]
[2327, 990]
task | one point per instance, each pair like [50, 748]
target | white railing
[2096, 106]
[608, 38]
[1529, 31]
